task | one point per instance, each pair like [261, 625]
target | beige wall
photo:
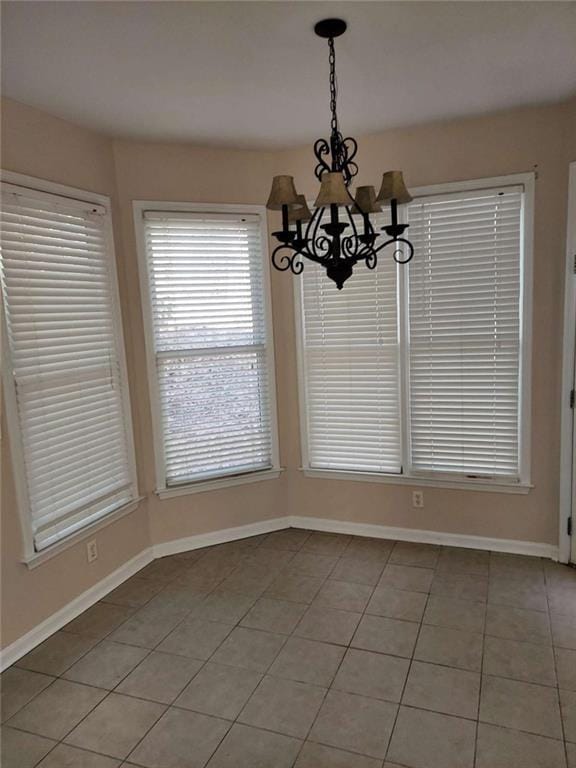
[40, 145]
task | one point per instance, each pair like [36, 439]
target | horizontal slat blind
[350, 350]
[66, 360]
[205, 275]
[464, 314]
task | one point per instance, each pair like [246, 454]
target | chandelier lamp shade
[339, 232]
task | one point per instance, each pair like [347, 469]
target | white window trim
[30, 556]
[162, 490]
[455, 481]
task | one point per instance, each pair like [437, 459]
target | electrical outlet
[418, 499]
[92, 551]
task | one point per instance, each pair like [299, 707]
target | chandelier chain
[333, 85]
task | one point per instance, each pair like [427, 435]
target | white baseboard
[512, 546]
[220, 537]
[53, 623]
[59, 619]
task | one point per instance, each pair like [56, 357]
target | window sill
[37, 558]
[218, 483]
[429, 482]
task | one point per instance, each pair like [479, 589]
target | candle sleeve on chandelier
[332, 191]
[301, 212]
[393, 188]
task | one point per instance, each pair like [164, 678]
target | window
[210, 345]
[423, 371]
[67, 392]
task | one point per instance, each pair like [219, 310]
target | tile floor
[309, 650]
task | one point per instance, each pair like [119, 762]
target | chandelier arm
[398, 250]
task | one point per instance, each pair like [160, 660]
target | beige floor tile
[343, 595]
[443, 689]
[55, 711]
[397, 603]
[430, 740]
[566, 668]
[452, 647]
[22, 750]
[271, 615]
[106, 665]
[568, 709]
[562, 601]
[407, 577]
[295, 587]
[328, 625]
[518, 624]
[369, 549]
[377, 633]
[326, 543]
[219, 690]
[529, 662]
[454, 613]
[56, 654]
[522, 706]
[247, 746]
[134, 593]
[517, 594]
[249, 649]
[249, 580]
[178, 600]
[291, 539]
[225, 607]
[160, 677]
[162, 570]
[116, 725]
[18, 687]
[308, 661]
[318, 756]
[195, 638]
[358, 570]
[145, 630]
[283, 706]
[503, 748]
[571, 755]
[310, 564]
[563, 631]
[461, 586]
[99, 620]
[372, 674]
[355, 723]
[454, 560]
[180, 739]
[269, 559]
[64, 756]
[408, 553]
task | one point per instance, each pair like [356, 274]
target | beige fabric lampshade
[283, 192]
[366, 201]
[393, 188]
[300, 213]
[332, 191]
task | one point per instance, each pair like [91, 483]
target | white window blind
[66, 360]
[212, 353]
[464, 314]
[351, 369]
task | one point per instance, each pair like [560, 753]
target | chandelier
[322, 236]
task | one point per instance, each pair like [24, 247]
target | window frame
[139, 207]
[440, 479]
[30, 555]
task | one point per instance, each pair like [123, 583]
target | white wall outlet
[92, 551]
[418, 499]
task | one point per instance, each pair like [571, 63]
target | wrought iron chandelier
[319, 236]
